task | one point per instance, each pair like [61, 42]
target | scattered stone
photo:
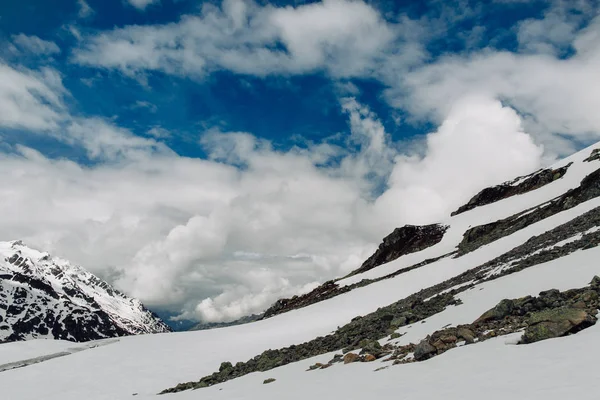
[371, 347]
[350, 358]
[315, 366]
[466, 334]
[501, 310]
[424, 350]
[369, 358]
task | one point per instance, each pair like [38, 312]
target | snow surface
[554, 369]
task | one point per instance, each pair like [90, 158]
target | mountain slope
[404, 306]
[44, 296]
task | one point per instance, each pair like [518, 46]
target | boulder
[350, 358]
[315, 366]
[369, 358]
[424, 350]
[554, 323]
[371, 347]
[269, 380]
[466, 334]
[500, 311]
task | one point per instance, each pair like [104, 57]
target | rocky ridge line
[481, 235]
[386, 320]
[508, 189]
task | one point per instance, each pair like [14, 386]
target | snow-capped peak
[42, 295]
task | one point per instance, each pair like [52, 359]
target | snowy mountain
[43, 296]
[497, 301]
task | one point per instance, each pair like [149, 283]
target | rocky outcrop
[325, 291]
[331, 289]
[595, 155]
[402, 241]
[549, 324]
[360, 332]
[518, 186]
[483, 234]
[506, 317]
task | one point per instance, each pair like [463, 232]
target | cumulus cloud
[341, 37]
[480, 141]
[227, 236]
[534, 84]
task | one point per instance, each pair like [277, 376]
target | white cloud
[557, 97]
[479, 142]
[35, 45]
[31, 99]
[158, 132]
[142, 4]
[218, 241]
[145, 105]
[226, 236]
[341, 37]
[85, 10]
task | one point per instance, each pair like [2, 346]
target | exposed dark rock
[269, 380]
[517, 186]
[502, 320]
[595, 155]
[502, 310]
[405, 240]
[487, 233]
[325, 291]
[424, 350]
[350, 358]
[34, 307]
[369, 358]
[331, 289]
[557, 322]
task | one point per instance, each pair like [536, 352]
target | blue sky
[277, 107]
[210, 157]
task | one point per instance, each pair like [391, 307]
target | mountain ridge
[45, 296]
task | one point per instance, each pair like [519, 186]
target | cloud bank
[225, 236]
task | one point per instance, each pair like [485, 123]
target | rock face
[478, 236]
[323, 292]
[518, 186]
[405, 240]
[42, 296]
[594, 156]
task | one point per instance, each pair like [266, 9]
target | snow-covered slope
[521, 245]
[44, 296]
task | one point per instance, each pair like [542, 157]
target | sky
[212, 157]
